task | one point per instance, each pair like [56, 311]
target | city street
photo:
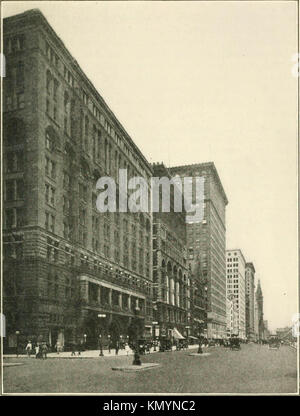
[253, 369]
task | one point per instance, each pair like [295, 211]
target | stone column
[129, 302]
[177, 294]
[84, 290]
[172, 294]
[120, 300]
[167, 289]
[99, 295]
[110, 296]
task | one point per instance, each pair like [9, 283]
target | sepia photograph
[149, 166]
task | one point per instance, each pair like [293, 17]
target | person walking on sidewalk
[37, 351]
[73, 350]
[44, 350]
[29, 349]
[58, 347]
[109, 345]
[117, 347]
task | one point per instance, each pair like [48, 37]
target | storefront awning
[192, 337]
[177, 334]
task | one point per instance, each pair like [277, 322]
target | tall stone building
[250, 304]
[266, 332]
[64, 262]
[172, 290]
[232, 317]
[236, 286]
[260, 311]
[206, 247]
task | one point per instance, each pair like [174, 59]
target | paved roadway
[253, 369]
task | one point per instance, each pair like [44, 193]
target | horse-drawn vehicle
[274, 343]
[235, 343]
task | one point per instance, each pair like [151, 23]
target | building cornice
[207, 165]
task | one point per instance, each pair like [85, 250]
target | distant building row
[244, 306]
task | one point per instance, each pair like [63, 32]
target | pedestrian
[109, 345]
[117, 347]
[73, 349]
[80, 347]
[44, 350]
[37, 350]
[100, 348]
[29, 349]
[57, 347]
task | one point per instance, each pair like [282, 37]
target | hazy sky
[206, 81]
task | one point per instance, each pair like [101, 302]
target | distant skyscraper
[250, 304]
[206, 246]
[235, 285]
[260, 310]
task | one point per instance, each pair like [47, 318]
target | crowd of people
[40, 349]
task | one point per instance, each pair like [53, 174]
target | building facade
[266, 332]
[232, 317]
[70, 272]
[172, 291]
[250, 306]
[259, 312]
[206, 245]
[235, 285]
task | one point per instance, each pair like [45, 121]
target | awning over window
[177, 334]
[192, 337]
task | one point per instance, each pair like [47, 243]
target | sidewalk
[92, 353]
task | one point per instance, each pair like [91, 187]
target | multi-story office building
[266, 332]
[69, 271]
[171, 278]
[255, 320]
[206, 245]
[250, 305]
[259, 311]
[235, 284]
[232, 317]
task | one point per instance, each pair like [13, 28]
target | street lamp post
[100, 346]
[137, 358]
[17, 342]
[109, 344]
[200, 351]
[101, 315]
[154, 337]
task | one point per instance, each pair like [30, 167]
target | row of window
[14, 44]
[14, 101]
[15, 76]
[14, 217]
[14, 189]
[120, 141]
[14, 162]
